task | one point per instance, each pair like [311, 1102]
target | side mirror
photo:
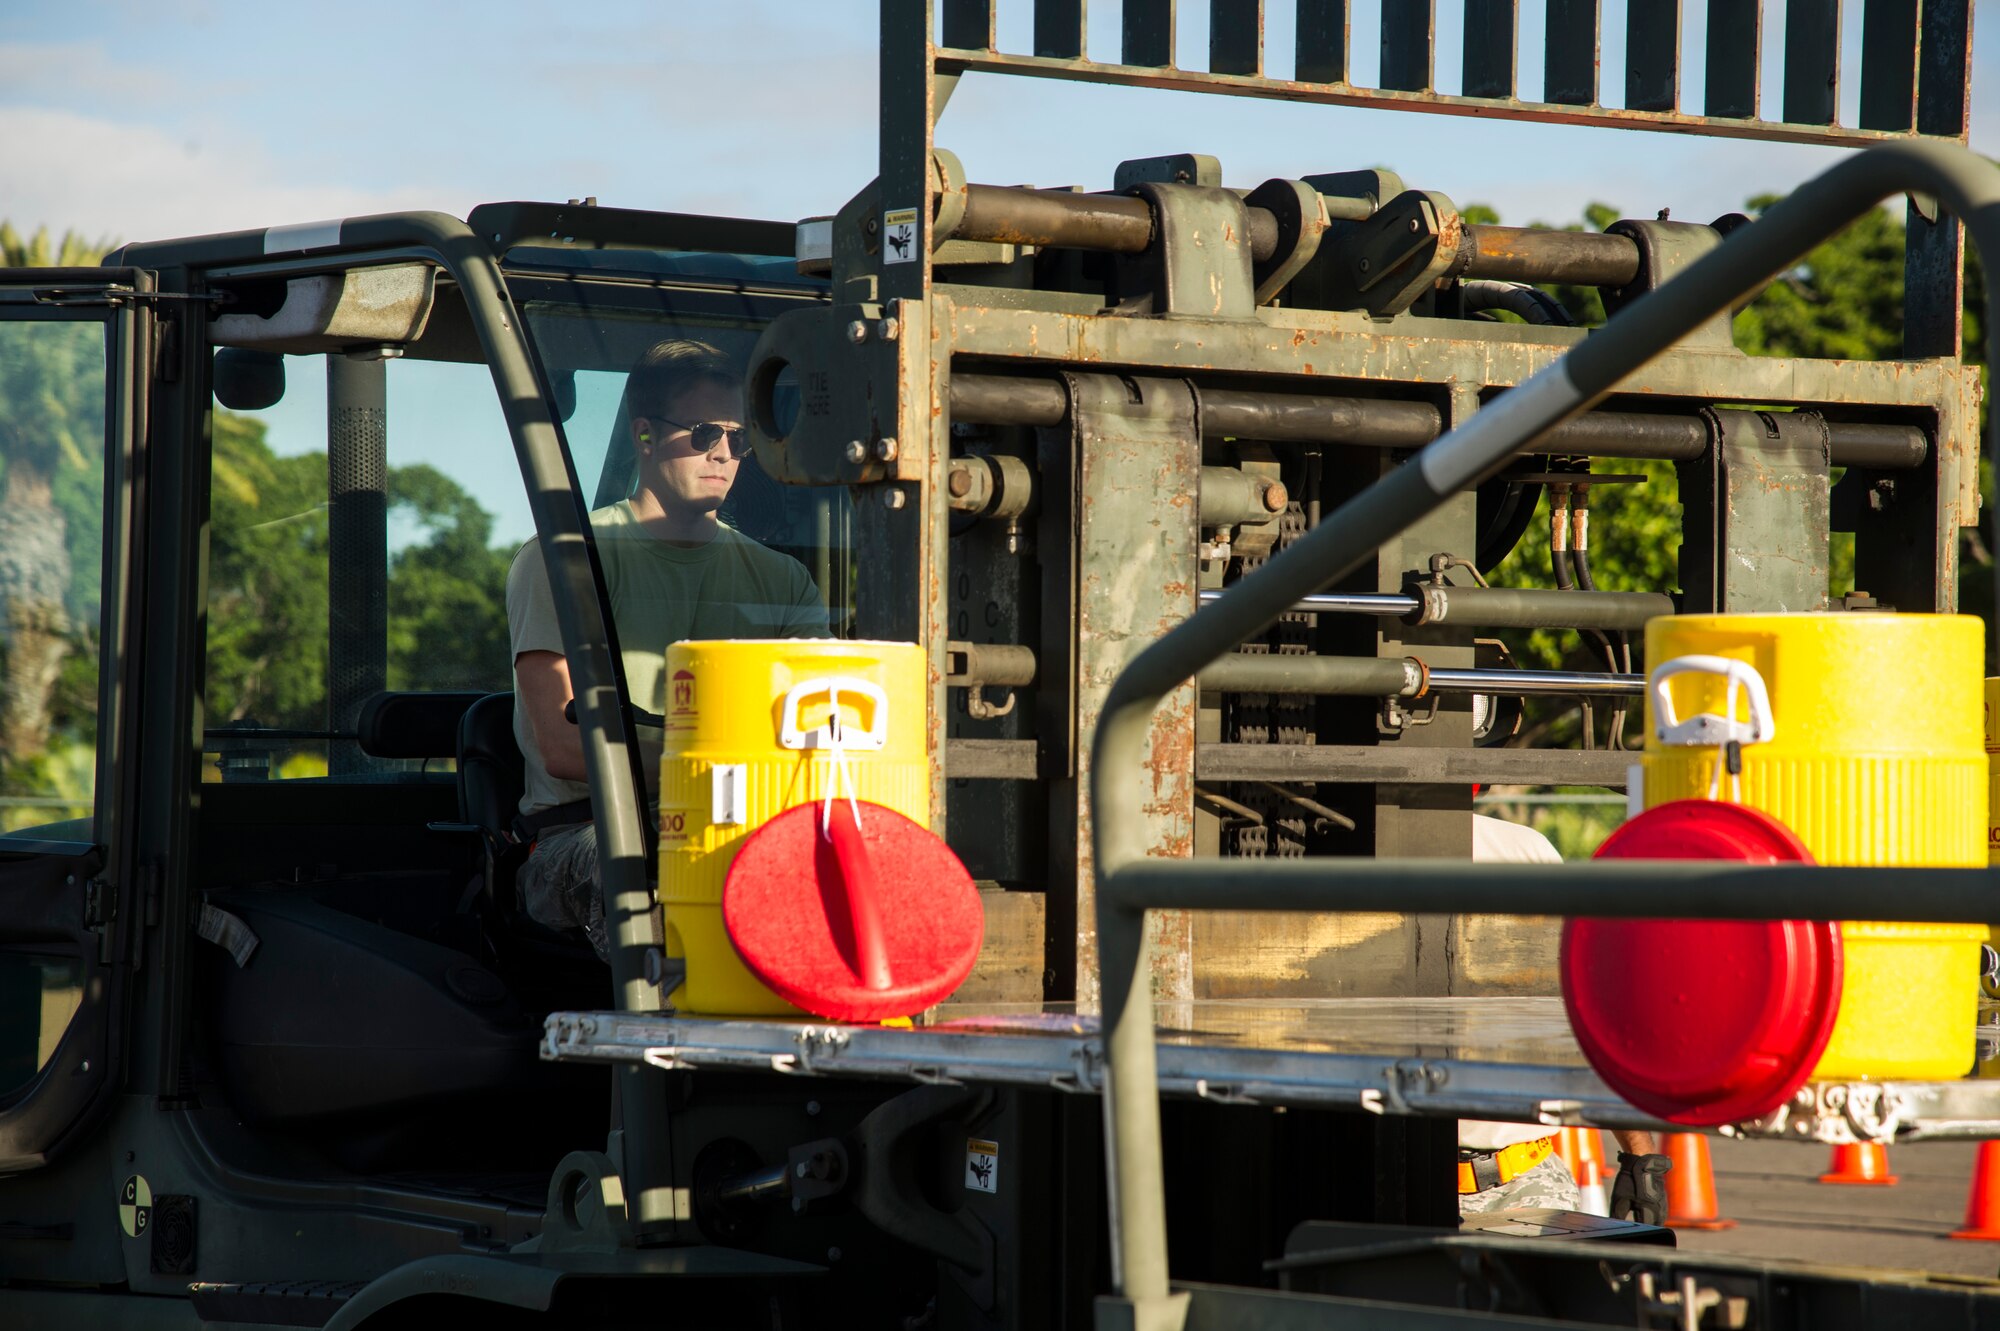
[247, 380]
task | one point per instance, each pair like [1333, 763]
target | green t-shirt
[731, 587]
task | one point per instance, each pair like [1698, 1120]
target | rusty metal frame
[1131, 881]
[884, 352]
[889, 345]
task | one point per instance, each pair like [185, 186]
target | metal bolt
[1415, 225]
[959, 481]
[1276, 497]
[857, 331]
[885, 450]
[833, 1254]
[799, 1170]
[812, 1109]
[1363, 265]
[857, 451]
[894, 499]
[888, 329]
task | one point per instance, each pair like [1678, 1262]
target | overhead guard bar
[1129, 883]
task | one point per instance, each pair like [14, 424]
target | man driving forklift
[674, 570]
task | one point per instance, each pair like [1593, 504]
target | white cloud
[80, 73]
[108, 179]
[750, 108]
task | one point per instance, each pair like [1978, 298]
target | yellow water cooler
[1992, 771]
[1874, 756]
[754, 728]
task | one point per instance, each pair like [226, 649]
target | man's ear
[642, 435]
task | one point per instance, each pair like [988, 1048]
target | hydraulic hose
[1531, 303]
[1617, 642]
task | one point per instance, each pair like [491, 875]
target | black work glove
[1640, 1192]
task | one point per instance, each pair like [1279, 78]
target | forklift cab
[256, 841]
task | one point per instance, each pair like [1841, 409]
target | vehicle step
[274, 1302]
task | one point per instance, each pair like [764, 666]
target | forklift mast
[1012, 379]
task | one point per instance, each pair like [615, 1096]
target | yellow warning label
[899, 235]
[982, 1165]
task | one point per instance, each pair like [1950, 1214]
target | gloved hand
[1640, 1191]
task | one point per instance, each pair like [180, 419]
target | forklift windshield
[588, 349]
[361, 552]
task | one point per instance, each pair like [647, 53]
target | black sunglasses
[705, 435]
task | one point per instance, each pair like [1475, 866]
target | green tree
[267, 606]
[448, 594]
[269, 573]
[267, 581]
[1843, 300]
[51, 498]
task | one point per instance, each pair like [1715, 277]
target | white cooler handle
[1708, 728]
[833, 735]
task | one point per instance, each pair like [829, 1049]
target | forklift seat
[412, 725]
[547, 970]
[491, 777]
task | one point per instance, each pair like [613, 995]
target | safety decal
[135, 1206]
[982, 1165]
[684, 713]
[899, 235]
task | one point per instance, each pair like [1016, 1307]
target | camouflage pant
[1547, 1184]
[558, 885]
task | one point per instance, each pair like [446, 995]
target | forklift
[1189, 491]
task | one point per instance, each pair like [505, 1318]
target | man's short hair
[671, 368]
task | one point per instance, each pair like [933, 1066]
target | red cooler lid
[1702, 1022]
[857, 923]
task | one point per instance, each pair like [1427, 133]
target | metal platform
[1500, 1058]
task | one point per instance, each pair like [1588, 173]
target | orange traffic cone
[1590, 1195]
[1576, 1145]
[1863, 1162]
[1691, 1184]
[1590, 1146]
[1982, 1208]
[1566, 1147]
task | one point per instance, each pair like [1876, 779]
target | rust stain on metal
[1451, 230]
[1169, 765]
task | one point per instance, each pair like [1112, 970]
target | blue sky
[148, 119]
[169, 117]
